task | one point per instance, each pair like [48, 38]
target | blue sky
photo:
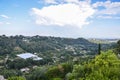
[61, 18]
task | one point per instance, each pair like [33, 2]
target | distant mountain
[103, 41]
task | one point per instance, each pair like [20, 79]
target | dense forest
[63, 59]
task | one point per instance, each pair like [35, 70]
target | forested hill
[45, 45]
[61, 59]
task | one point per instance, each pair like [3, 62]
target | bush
[104, 67]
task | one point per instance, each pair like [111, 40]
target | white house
[2, 77]
[29, 55]
[25, 70]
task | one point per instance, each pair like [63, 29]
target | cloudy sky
[61, 18]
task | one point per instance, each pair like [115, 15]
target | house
[26, 70]
[2, 77]
[29, 55]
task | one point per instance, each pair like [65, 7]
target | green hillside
[62, 59]
[44, 45]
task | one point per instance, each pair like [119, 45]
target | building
[26, 70]
[29, 55]
[2, 77]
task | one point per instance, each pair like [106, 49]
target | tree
[10, 73]
[37, 74]
[17, 64]
[59, 71]
[99, 48]
[105, 66]
[56, 79]
[117, 49]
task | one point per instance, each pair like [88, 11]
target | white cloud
[63, 14]
[8, 23]
[108, 8]
[1, 23]
[63, 1]
[77, 1]
[105, 17]
[50, 1]
[108, 17]
[5, 23]
[72, 1]
[4, 16]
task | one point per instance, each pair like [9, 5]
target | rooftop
[29, 55]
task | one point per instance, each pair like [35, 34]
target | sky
[61, 18]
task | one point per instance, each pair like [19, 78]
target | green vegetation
[63, 59]
[105, 66]
[16, 78]
[10, 73]
[117, 49]
[43, 45]
[99, 48]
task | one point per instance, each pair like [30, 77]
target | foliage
[104, 67]
[99, 48]
[10, 73]
[59, 71]
[37, 74]
[55, 72]
[117, 49]
[41, 44]
[16, 78]
[55, 50]
[17, 64]
[56, 79]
